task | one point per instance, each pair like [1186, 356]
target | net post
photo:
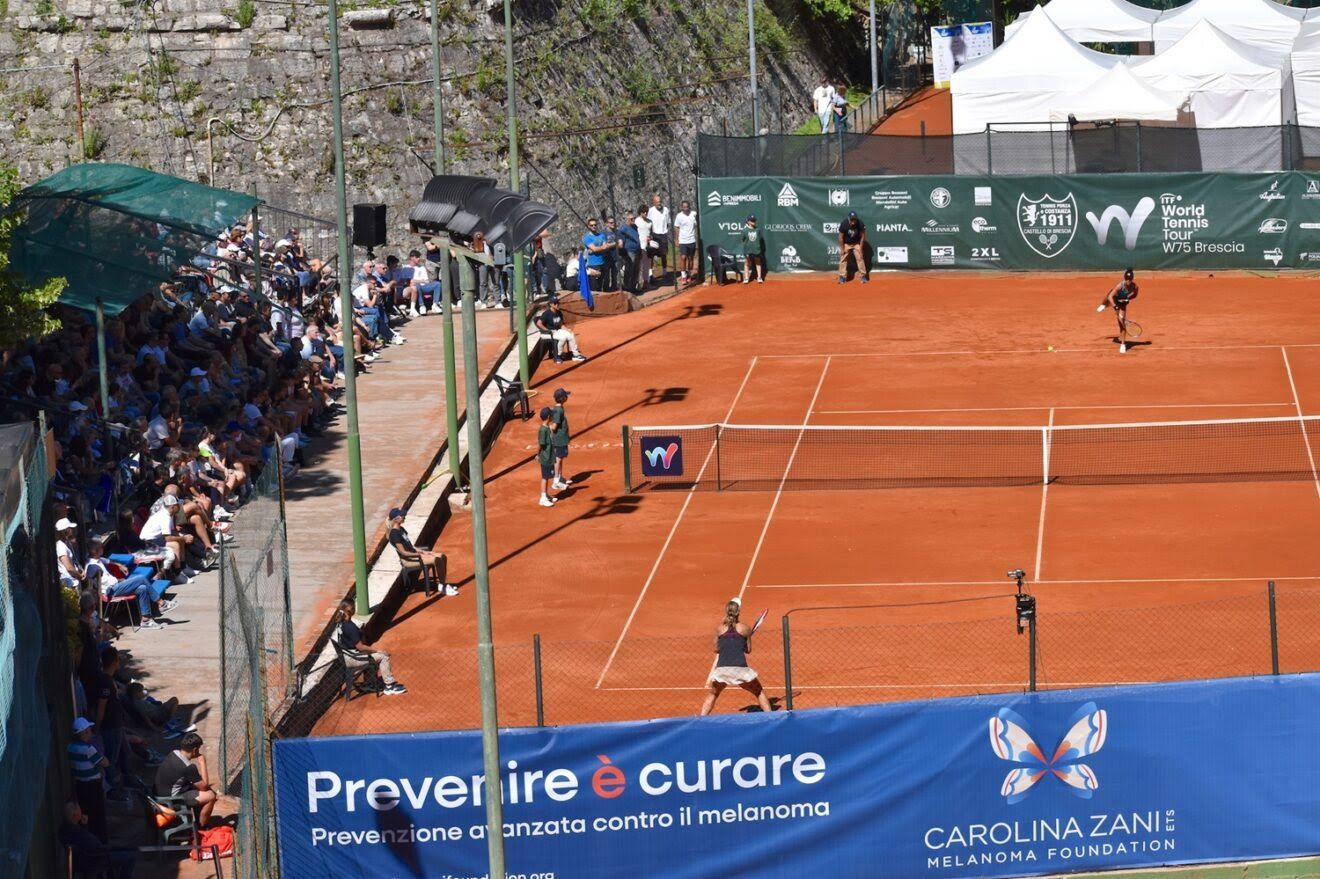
[627, 461]
[540, 694]
[1274, 631]
[788, 667]
[719, 480]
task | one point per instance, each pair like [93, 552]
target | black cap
[751, 218]
[1127, 275]
[560, 395]
[545, 412]
[396, 513]
[852, 215]
[554, 300]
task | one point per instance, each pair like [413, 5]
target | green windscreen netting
[116, 232]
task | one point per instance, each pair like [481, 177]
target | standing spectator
[822, 103]
[433, 563]
[543, 275]
[109, 716]
[88, 776]
[559, 438]
[594, 244]
[839, 110]
[609, 281]
[630, 246]
[852, 240]
[350, 638]
[184, 774]
[661, 227]
[545, 456]
[644, 232]
[753, 243]
[685, 224]
[488, 278]
[564, 340]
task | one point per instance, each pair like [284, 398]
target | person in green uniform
[753, 251]
[560, 438]
[545, 455]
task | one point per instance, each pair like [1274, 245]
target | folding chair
[362, 666]
[513, 398]
[413, 567]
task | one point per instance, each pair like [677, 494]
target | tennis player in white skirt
[732, 644]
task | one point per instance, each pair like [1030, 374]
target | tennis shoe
[450, 589]
[579, 358]
[547, 501]
[840, 281]
[865, 279]
[747, 279]
[149, 623]
[1122, 348]
[395, 689]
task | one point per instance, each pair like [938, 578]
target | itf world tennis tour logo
[1087, 730]
[1047, 223]
[662, 456]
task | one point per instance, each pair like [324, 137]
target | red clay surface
[1137, 582]
[932, 106]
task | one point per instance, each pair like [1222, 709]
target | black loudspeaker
[368, 225]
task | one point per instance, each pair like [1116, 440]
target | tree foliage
[22, 307]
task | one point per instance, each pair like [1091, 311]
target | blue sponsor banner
[986, 786]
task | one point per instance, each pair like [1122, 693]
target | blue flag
[584, 284]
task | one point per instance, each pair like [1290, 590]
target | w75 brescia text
[522, 786]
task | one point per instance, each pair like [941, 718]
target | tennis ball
[1051, 348]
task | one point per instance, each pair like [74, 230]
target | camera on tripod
[1026, 604]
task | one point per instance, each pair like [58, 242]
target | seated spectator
[89, 765]
[551, 320]
[136, 585]
[71, 574]
[154, 713]
[425, 293]
[433, 563]
[89, 853]
[350, 638]
[184, 774]
[158, 533]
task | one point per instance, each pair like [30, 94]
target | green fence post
[1274, 631]
[788, 668]
[540, 695]
[627, 462]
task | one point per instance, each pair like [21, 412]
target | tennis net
[760, 457]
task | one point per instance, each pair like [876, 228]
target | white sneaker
[579, 357]
[547, 501]
[561, 484]
[149, 623]
[398, 339]
[371, 357]
[480, 304]
[450, 589]
[1122, 348]
[222, 513]
[168, 604]
[747, 279]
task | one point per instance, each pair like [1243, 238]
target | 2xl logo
[662, 456]
[1130, 223]
[1087, 730]
[1047, 223]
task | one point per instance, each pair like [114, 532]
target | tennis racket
[760, 619]
[1133, 329]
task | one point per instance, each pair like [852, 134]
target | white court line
[1297, 400]
[1043, 408]
[925, 686]
[664, 548]
[1044, 494]
[974, 353]
[896, 583]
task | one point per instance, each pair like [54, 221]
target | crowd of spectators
[635, 256]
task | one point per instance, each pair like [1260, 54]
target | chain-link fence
[256, 665]
[1083, 148]
[835, 656]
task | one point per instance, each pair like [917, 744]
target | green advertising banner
[1083, 221]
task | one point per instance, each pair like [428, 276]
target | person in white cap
[733, 641]
[71, 574]
[158, 533]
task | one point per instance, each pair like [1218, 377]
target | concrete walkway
[402, 427]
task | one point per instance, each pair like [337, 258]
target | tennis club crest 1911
[1047, 223]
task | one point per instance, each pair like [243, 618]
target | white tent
[1117, 94]
[1097, 21]
[1231, 84]
[1306, 73]
[1021, 80]
[1256, 22]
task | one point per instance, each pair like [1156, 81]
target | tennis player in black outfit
[1123, 293]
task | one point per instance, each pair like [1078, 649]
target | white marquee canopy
[1261, 23]
[1118, 94]
[1097, 21]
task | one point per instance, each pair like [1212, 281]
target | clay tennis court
[1140, 579]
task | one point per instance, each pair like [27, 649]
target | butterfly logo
[662, 455]
[1087, 730]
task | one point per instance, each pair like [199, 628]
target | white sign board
[952, 46]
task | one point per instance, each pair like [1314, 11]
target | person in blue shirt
[610, 273]
[594, 243]
[629, 253]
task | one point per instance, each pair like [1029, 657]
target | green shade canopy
[116, 232]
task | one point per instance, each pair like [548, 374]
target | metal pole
[437, 97]
[1031, 653]
[515, 184]
[788, 668]
[346, 322]
[451, 369]
[875, 58]
[751, 62]
[627, 462]
[490, 746]
[1274, 632]
[77, 96]
[101, 362]
[540, 695]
